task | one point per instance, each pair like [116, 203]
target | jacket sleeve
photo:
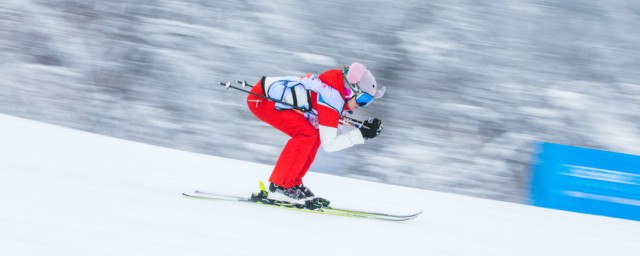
[332, 141]
[329, 107]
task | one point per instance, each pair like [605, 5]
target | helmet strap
[355, 88]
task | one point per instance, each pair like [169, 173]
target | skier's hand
[371, 128]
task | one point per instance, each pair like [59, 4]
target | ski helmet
[360, 80]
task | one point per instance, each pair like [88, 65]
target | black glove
[371, 128]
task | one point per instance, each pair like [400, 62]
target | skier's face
[352, 104]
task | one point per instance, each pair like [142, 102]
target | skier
[309, 109]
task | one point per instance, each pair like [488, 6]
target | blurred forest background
[471, 85]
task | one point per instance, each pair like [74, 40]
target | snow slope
[471, 85]
[67, 192]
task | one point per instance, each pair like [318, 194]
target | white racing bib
[293, 92]
[288, 92]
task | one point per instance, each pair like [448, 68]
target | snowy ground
[68, 192]
[471, 84]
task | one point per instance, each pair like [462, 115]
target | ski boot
[293, 193]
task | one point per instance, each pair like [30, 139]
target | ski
[300, 205]
[261, 198]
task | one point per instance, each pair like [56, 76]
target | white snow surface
[68, 192]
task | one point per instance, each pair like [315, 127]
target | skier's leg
[292, 162]
[295, 157]
[310, 158]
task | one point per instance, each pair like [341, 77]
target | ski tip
[413, 216]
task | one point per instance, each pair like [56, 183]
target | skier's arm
[330, 137]
[330, 105]
[333, 141]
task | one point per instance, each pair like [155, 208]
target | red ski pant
[300, 150]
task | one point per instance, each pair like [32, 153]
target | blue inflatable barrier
[586, 180]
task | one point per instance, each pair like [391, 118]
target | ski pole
[244, 83]
[228, 85]
[352, 121]
[355, 122]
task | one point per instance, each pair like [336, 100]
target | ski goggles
[364, 99]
